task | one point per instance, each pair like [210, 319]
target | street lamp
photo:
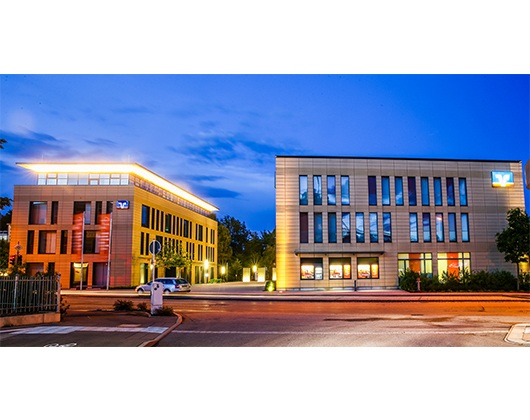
[255, 271]
[223, 270]
[206, 265]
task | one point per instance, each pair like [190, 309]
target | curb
[155, 341]
[517, 333]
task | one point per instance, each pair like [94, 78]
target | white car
[171, 285]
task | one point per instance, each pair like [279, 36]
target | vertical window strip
[385, 190]
[464, 223]
[439, 227]
[425, 201]
[438, 200]
[387, 228]
[332, 228]
[450, 183]
[303, 190]
[318, 228]
[372, 191]
[426, 227]
[304, 228]
[374, 237]
[412, 190]
[359, 227]
[462, 190]
[346, 228]
[332, 190]
[345, 190]
[398, 181]
[413, 227]
[317, 190]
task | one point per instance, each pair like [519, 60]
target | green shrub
[164, 311]
[217, 281]
[142, 306]
[123, 305]
[64, 307]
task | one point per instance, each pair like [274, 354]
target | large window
[450, 183]
[426, 227]
[30, 244]
[367, 268]
[413, 227]
[425, 191]
[462, 189]
[385, 190]
[454, 263]
[345, 190]
[55, 212]
[339, 268]
[372, 191]
[317, 190]
[398, 182]
[47, 242]
[412, 190]
[346, 228]
[464, 222]
[332, 228]
[387, 228]
[374, 236]
[311, 269]
[451, 221]
[303, 190]
[359, 227]
[37, 212]
[145, 216]
[419, 263]
[438, 201]
[304, 228]
[439, 227]
[318, 228]
[332, 190]
[83, 207]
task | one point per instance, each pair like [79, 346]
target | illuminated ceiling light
[119, 168]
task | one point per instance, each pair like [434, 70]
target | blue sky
[217, 135]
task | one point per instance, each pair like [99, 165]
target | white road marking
[343, 332]
[68, 330]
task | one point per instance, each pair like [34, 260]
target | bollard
[418, 282]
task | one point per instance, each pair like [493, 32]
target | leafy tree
[173, 257]
[239, 234]
[514, 240]
[224, 251]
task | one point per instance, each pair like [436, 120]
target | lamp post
[206, 265]
[223, 271]
[255, 271]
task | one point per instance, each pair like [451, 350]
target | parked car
[171, 285]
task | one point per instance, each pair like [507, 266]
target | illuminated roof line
[114, 168]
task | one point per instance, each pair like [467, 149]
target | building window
[450, 183]
[64, 242]
[99, 211]
[142, 243]
[345, 190]
[374, 236]
[398, 181]
[83, 207]
[372, 191]
[303, 190]
[359, 228]
[332, 190]
[37, 212]
[439, 227]
[426, 227]
[339, 268]
[451, 219]
[90, 243]
[317, 190]
[311, 269]
[425, 191]
[145, 216]
[462, 189]
[464, 222]
[30, 244]
[413, 227]
[385, 190]
[318, 228]
[367, 268]
[387, 228]
[332, 228]
[418, 263]
[304, 228]
[167, 226]
[47, 242]
[412, 190]
[454, 263]
[438, 201]
[346, 228]
[55, 212]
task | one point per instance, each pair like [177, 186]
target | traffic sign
[155, 247]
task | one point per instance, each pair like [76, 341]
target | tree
[172, 257]
[224, 251]
[514, 241]
[239, 234]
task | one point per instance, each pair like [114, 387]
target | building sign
[502, 179]
[122, 205]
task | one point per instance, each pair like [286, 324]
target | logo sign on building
[502, 179]
[122, 205]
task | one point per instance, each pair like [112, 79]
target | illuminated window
[438, 201]
[311, 269]
[303, 190]
[426, 227]
[451, 218]
[385, 190]
[454, 263]
[317, 190]
[418, 263]
[413, 227]
[372, 191]
[367, 268]
[387, 228]
[464, 222]
[332, 191]
[439, 227]
[359, 227]
[37, 212]
[450, 183]
[462, 189]
[345, 190]
[332, 228]
[318, 228]
[339, 268]
[398, 181]
[47, 242]
[346, 228]
[425, 191]
[412, 190]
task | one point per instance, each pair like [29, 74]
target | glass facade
[387, 228]
[398, 182]
[372, 191]
[412, 191]
[346, 228]
[318, 228]
[339, 268]
[317, 190]
[426, 227]
[332, 190]
[418, 263]
[439, 227]
[464, 223]
[303, 190]
[425, 201]
[311, 269]
[367, 268]
[374, 236]
[332, 228]
[359, 227]
[345, 190]
[413, 227]
[451, 221]
[450, 182]
[385, 190]
[454, 263]
[462, 189]
[438, 200]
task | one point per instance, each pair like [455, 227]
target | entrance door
[100, 275]
[75, 275]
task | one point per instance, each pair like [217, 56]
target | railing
[23, 296]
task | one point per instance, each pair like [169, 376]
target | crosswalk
[72, 329]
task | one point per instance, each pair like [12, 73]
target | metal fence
[22, 296]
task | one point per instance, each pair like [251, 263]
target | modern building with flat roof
[96, 215]
[348, 222]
